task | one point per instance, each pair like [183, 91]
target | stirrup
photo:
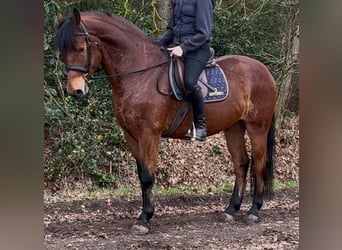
[191, 134]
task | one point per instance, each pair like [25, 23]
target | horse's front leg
[145, 151]
[147, 178]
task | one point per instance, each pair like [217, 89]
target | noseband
[87, 67]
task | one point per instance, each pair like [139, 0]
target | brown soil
[180, 222]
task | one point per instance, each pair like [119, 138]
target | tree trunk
[161, 15]
[288, 82]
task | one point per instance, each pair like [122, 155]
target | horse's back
[245, 66]
[251, 72]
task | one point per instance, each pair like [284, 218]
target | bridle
[87, 67]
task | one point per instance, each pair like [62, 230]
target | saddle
[212, 80]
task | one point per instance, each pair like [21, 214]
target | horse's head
[79, 52]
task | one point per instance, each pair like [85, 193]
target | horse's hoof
[140, 229]
[251, 218]
[224, 217]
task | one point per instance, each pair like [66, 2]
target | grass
[68, 195]
[172, 191]
[224, 188]
[285, 185]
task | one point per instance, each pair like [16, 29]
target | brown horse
[144, 108]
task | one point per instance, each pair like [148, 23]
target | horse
[136, 67]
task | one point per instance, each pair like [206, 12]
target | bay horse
[137, 70]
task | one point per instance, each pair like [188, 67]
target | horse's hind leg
[258, 137]
[236, 146]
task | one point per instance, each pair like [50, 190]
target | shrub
[254, 30]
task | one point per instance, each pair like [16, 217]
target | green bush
[81, 137]
[254, 30]
[85, 137]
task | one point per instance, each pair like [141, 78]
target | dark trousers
[194, 64]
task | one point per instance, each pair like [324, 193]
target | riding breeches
[195, 62]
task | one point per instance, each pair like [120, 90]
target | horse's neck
[127, 50]
[132, 55]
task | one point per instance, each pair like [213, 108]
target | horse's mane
[65, 36]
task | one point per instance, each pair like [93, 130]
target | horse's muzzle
[79, 93]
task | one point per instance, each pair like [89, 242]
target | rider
[188, 33]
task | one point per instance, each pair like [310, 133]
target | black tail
[268, 188]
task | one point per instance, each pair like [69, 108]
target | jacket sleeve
[204, 22]
[167, 37]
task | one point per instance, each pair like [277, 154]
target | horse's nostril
[78, 93]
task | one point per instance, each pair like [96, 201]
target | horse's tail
[269, 176]
[268, 188]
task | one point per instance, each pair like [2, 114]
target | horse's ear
[60, 17]
[76, 18]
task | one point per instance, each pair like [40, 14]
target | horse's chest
[124, 115]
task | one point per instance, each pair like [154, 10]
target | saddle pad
[212, 81]
[217, 84]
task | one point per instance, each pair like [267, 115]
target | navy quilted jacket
[190, 24]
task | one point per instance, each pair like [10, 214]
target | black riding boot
[197, 105]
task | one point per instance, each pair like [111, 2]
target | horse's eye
[80, 49]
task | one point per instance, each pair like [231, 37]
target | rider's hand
[176, 51]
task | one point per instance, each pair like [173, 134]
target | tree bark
[288, 82]
[162, 12]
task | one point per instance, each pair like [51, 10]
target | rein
[119, 75]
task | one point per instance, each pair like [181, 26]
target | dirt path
[180, 222]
